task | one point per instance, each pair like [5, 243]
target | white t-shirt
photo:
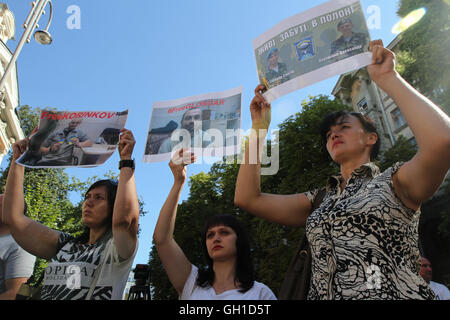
[15, 262]
[70, 273]
[191, 291]
[441, 291]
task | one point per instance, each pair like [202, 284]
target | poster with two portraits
[325, 41]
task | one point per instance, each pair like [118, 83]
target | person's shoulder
[338, 40]
[439, 285]
[8, 244]
[264, 292]
[79, 132]
[166, 146]
[360, 35]
[388, 172]
[65, 238]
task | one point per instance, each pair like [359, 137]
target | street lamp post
[42, 36]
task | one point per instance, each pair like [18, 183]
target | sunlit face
[221, 243]
[346, 27]
[347, 139]
[95, 208]
[190, 118]
[273, 60]
[74, 123]
[425, 269]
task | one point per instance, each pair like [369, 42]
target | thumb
[34, 131]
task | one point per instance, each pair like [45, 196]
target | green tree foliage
[423, 56]
[402, 151]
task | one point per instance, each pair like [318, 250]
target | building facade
[10, 129]
[358, 91]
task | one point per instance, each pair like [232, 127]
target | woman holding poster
[94, 266]
[230, 274]
[364, 235]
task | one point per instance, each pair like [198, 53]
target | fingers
[260, 88]
[20, 147]
[23, 145]
[259, 99]
[126, 137]
[183, 157]
[126, 143]
[373, 43]
[33, 132]
[377, 49]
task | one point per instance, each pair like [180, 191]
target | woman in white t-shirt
[229, 275]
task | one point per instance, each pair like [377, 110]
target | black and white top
[364, 240]
[70, 273]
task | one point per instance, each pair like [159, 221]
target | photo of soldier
[158, 135]
[276, 71]
[57, 149]
[349, 40]
[198, 138]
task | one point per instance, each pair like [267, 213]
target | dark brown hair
[332, 119]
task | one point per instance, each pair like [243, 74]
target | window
[398, 119]
[362, 105]
[413, 142]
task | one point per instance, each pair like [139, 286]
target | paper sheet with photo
[74, 139]
[316, 44]
[208, 124]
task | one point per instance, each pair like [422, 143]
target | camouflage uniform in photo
[357, 39]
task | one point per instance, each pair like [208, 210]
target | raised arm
[418, 179]
[126, 207]
[290, 210]
[36, 238]
[175, 263]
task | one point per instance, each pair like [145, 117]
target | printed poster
[74, 139]
[322, 42]
[208, 124]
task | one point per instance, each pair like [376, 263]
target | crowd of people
[367, 218]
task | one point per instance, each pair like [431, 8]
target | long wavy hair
[244, 274]
[111, 187]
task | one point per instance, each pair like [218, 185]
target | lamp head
[43, 37]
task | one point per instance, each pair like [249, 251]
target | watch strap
[126, 164]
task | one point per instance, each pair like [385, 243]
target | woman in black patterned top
[364, 235]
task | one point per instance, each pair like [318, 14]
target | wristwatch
[126, 164]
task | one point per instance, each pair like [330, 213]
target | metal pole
[37, 11]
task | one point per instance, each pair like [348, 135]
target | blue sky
[128, 54]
